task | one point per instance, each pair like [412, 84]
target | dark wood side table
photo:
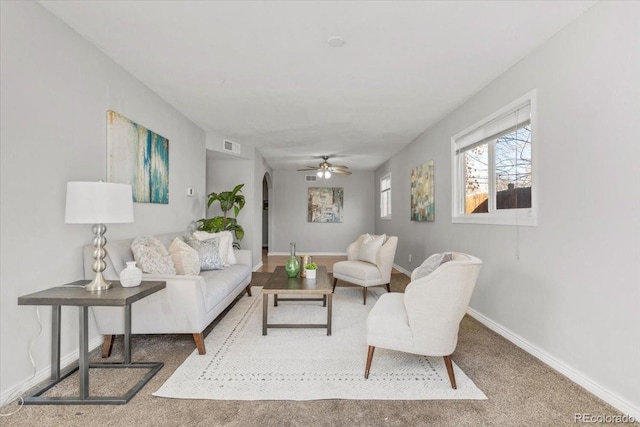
[74, 294]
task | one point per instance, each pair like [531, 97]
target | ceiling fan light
[327, 174]
[319, 174]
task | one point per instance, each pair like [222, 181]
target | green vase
[292, 267]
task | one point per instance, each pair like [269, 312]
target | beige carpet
[521, 391]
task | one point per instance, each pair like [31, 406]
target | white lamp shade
[98, 203]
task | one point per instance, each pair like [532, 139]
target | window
[493, 168]
[385, 197]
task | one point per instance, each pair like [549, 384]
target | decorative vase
[292, 267]
[304, 260]
[131, 276]
[310, 274]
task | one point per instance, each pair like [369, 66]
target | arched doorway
[266, 217]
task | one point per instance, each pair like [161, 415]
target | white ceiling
[262, 73]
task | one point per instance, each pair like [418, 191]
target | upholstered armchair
[425, 319]
[369, 263]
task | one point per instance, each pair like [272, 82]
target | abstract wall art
[325, 204]
[137, 156]
[422, 201]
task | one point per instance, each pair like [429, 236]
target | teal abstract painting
[139, 157]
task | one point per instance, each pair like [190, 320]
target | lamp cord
[16, 395]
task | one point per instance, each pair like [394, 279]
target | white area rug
[306, 364]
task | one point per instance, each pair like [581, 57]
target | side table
[74, 294]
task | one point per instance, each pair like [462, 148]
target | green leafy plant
[311, 266]
[228, 200]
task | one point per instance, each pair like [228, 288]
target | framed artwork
[325, 204]
[422, 201]
[137, 156]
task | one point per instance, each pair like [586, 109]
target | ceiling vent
[310, 178]
[231, 147]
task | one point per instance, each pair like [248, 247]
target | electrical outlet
[409, 258]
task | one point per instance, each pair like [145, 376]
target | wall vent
[231, 147]
[311, 178]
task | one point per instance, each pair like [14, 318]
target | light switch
[189, 191]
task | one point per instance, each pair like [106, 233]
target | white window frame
[469, 136]
[383, 191]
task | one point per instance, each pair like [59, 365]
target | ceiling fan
[325, 169]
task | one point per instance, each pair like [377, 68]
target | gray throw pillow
[208, 252]
[431, 263]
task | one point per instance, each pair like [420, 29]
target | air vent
[231, 147]
[310, 178]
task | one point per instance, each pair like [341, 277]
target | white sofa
[186, 306]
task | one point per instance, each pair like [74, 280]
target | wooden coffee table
[279, 284]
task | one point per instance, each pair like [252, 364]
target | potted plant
[310, 270]
[228, 200]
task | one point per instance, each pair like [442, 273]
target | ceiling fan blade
[341, 172]
[308, 169]
[340, 167]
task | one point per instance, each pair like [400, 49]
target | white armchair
[425, 319]
[367, 265]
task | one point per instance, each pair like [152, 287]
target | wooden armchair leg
[449, 365]
[199, 340]
[388, 287]
[249, 290]
[334, 284]
[369, 359]
[107, 345]
[364, 295]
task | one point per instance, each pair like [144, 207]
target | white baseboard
[257, 267]
[577, 377]
[44, 373]
[402, 270]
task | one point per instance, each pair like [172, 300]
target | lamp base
[97, 284]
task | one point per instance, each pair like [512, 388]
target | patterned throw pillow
[226, 245]
[208, 253]
[184, 257]
[151, 256]
[431, 263]
[369, 247]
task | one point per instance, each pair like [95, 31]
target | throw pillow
[226, 245]
[431, 263]
[184, 257]
[208, 253]
[151, 256]
[369, 248]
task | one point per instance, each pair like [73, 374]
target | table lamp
[98, 203]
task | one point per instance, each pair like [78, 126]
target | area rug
[306, 364]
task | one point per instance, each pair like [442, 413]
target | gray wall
[224, 172]
[288, 207]
[567, 288]
[56, 89]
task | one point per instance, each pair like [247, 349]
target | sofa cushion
[369, 248]
[185, 259]
[430, 264]
[208, 252]
[226, 245]
[152, 256]
[220, 283]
